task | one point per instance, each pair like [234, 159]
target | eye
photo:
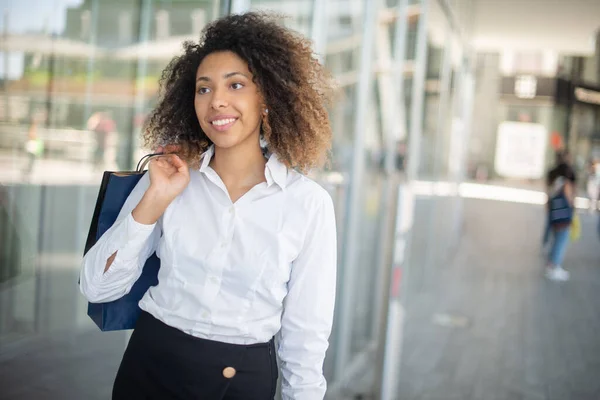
[203, 90]
[236, 86]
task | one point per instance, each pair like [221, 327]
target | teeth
[220, 122]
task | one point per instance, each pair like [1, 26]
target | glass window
[78, 78]
[298, 12]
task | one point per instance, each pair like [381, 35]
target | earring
[266, 110]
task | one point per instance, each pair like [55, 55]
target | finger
[164, 168]
[163, 162]
[156, 163]
[177, 162]
[174, 160]
[168, 163]
[172, 148]
[159, 149]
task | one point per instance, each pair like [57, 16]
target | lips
[222, 123]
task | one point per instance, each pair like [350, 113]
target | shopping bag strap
[141, 166]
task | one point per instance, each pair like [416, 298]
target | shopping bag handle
[141, 166]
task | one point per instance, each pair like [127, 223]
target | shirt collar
[206, 157]
[275, 170]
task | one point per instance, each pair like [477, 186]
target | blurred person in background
[102, 125]
[34, 146]
[561, 184]
[562, 167]
[593, 184]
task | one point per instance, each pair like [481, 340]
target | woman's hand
[169, 174]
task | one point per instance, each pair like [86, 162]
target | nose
[219, 99]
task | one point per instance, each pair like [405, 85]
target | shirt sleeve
[308, 308]
[133, 242]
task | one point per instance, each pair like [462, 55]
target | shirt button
[214, 279]
[229, 372]
[205, 314]
[223, 244]
[231, 210]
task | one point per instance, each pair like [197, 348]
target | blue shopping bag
[122, 313]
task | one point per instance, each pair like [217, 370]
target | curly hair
[295, 87]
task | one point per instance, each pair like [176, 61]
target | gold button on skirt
[229, 372]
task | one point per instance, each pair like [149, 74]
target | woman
[34, 146]
[561, 199]
[247, 243]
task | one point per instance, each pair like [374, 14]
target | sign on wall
[520, 150]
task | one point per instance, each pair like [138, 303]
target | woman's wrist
[158, 196]
[151, 207]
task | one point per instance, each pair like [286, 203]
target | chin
[225, 142]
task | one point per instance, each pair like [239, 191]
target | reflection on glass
[77, 80]
[89, 83]
[297, 13]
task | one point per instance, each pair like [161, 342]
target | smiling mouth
[223, 124]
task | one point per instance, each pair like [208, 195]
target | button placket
[229, 221]
[211, 291]
[212, 284]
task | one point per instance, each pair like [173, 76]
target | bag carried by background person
[560, 210]
[575, 233]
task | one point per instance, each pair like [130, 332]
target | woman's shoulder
[306, 190]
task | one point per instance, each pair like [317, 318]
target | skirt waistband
[160, 329]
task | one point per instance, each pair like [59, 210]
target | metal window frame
[388, 330]
[351, 240]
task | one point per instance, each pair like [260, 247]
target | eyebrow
[226, 76]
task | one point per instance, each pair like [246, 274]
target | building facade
[406, 87]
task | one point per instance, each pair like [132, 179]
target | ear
[264, 110]
[263, 103]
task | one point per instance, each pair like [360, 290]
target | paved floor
[486, 325]
[78, 366]
[516, 336]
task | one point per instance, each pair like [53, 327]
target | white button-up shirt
[238, 272]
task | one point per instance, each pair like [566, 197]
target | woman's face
[228, 104]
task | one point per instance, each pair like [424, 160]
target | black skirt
[162, 363]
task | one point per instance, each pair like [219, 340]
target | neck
[242, 165]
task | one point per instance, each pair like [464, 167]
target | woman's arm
[148, 211]
[114, 263]
[112, 266]
[308, 307]
[569, 192]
